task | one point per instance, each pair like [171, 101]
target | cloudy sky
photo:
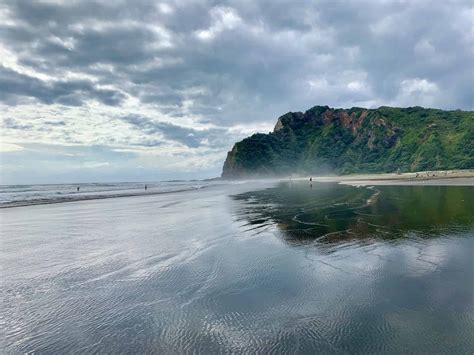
[142, 90]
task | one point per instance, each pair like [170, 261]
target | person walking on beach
[146, 187]
[78, 189]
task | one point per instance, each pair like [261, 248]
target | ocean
[24, 195]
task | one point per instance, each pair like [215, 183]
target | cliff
[357, 140]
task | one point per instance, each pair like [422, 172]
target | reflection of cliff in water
[328, 213]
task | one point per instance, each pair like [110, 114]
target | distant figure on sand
[78, 189]
[310, 179]
[146, 187]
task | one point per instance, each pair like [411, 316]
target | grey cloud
[189, 137]
[42, 14]
[10, 123]
[112, 45]
[258, 68]
[14, 86]
[249, 64]
[150, 143]
[55, 123]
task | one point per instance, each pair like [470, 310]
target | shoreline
[454, 181]
[39, 202]
[421, 178]
[426, 178]
[105, 196]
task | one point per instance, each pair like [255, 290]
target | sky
[137, 90]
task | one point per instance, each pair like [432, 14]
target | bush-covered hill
[357, 140]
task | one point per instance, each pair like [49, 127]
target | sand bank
[435, 178]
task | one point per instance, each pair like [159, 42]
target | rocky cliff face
[231, 167]
[324, 139]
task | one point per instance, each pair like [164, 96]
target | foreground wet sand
[254, 267]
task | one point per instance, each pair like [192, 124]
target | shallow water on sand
[243, 268]
[25, 195]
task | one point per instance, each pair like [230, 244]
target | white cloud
[224, 18]
[94, 164]
[244, 130]
[356, 86]
[9, 147]
[165, 8]
[417, 92]
[9, 59]
[318, 84]
[417, 86]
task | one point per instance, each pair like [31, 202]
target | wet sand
[242, 268]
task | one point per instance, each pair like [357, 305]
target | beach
[272, 266]
[436, 178]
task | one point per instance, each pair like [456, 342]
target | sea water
[24, 195]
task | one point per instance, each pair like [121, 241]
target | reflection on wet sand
[327, 214]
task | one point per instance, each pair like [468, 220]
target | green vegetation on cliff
[357, 140]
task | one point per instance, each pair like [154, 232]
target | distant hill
[357, 140]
